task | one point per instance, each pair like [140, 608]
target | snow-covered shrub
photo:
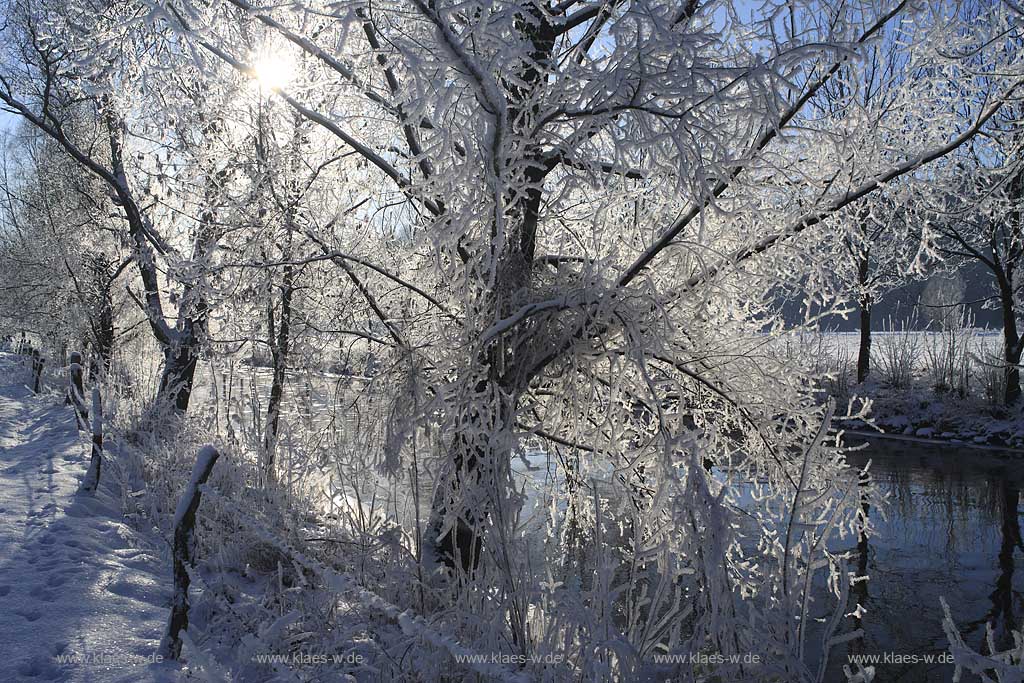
[899, 352]
[671, 578]
[947, 355]
[991, 373]
[838, 377]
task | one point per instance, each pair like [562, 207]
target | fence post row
[184, 538]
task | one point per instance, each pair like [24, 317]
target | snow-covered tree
[60, 259]
[980, 221]
[568, 223]
[75, 73]
[597, 199]
[865, 103]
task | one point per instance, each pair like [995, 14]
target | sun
[274, 71]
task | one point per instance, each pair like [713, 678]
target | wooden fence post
[76, 391]
[92, 475]
[184, 546]
[37, 370]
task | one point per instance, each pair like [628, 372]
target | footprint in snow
[45, 510]
[150, 594]
[4, 590]
[28, 614]
[43, 558]
[43, 594]
[39, 667]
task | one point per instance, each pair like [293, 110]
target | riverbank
[922, 413]
[855, 437]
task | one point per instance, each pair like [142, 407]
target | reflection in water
[859, 590]
[950, 528]
[1002, 614]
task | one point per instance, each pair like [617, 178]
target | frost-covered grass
[319, 575]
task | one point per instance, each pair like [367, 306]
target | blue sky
[6, 121]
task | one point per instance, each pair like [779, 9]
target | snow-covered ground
[83, 597]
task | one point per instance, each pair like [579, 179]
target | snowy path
[82, 596]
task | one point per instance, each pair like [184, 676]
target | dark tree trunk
[864, 351]
[181, 345]
[279, 338]
[476, 493]
[477, 483]
[864, 301]
[104, 334]
[180, 362]
[185, 344]
[1011, 339]
[280, 347]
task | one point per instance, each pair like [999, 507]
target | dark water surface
[951, 529]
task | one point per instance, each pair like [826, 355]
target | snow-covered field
[982, 343]
[83, 596]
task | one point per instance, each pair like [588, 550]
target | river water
[951, 529]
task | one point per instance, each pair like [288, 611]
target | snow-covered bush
[947, 355]
[899, 349]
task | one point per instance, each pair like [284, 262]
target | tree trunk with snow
[864, 349]
[1012, 345]
[103, 274]
[279, 335]
[180, 360]
[279, 349]
[476, 484]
